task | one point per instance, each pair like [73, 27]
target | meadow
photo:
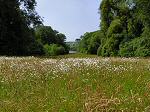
[74, 84]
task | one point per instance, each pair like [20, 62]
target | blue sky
[71, 17]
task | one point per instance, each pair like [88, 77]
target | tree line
[124, 30]
[22, 31]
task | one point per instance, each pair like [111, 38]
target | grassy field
[74, 83]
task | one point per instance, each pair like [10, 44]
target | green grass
[89, 84]
[76, 55]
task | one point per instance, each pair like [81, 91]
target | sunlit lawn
[74, 84]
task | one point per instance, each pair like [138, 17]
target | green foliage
[95, 42]
[28, 10]
[143, 11]
[115, 27]
[134, 48]
[113, 39]
[53, 50]
[90, 42]
[36, 48]
[137, 47]
[125, 25]
[84, 42]
[21, 32]
[53, 41]
[45, 35]
[106, 15]
[73, 46]
[16, 34]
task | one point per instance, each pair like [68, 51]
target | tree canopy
[18, 33]
[124, 29]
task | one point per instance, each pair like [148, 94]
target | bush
[137, 47]
[36, 48]
[61, 50]
[54, 49]
[127, 50]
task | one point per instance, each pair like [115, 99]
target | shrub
[54, 49]
[137, 47]
[127, 50]
[36, 48]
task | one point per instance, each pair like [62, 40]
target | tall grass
[29, 84]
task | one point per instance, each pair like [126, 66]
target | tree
[90, 42]
[124, 29]
[45, 35]
[50, 39]
[143, 11]
[106, 16]
[16, 34]
[28, 10]
[60, 38]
